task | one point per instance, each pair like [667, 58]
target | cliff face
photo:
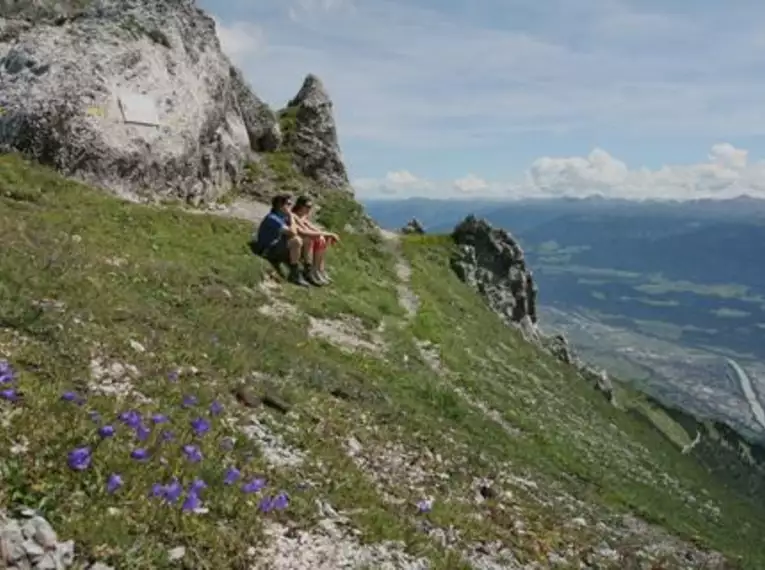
[137, 96]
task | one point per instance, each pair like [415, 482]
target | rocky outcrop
[492, 263]
[413, 226]
[310, 135]
[559, 347]
[132, 95]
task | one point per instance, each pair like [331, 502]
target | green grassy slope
[88, 281]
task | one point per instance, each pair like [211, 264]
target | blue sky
[523, 97]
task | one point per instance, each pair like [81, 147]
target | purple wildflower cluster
[142, 428]
[8, 390]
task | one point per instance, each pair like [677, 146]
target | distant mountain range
[659, 292]
[438, 215]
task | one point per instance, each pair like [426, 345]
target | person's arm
[319, 232]
[290, 227]
[304, 228]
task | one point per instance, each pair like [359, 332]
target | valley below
[668, 297]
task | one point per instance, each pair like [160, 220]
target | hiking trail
[407, 298]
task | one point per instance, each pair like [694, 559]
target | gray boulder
[132, 95]
[310, 134]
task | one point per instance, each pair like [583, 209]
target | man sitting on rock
[278, 241]
[315, 242]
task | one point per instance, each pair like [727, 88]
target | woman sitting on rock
[315, 242]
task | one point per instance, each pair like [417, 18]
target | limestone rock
[311, 136]
[492, 262]
[559, 347]
[132, 95]
[30, 542]
[413, 227]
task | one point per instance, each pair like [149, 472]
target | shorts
[319, 244]
[276, 253]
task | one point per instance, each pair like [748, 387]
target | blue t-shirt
[270, 230]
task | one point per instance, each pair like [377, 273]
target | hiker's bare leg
[295, 246]
[319, 252]
[307, 250]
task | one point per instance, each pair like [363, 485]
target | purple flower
[142, 432]
[216, 408]
[424, 506]
[200, 426]
[192, 502]
[254, 486]
[280, 502]
[9, 394]
[266, 505]
[159, 419]
[197, 486]
[73, 397]
[79, 458]
[173, 491]
[139, 454]
[6, 372]
[232, 476]
[227, 443]
[170, 492]
[189, 401]
[173, 375]
[167, 436]
[113, 483]
[106, 431]
[192, 453]
[131, 418]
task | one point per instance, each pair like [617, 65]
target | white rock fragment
[114, 379]
[175, 554]
[330, 547]
[275, 450]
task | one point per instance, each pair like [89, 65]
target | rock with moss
[132, 95]
[310, 135]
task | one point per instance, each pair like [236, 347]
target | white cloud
[726, 173]
[241, 40]
[394, 184]
[302, 8]
[471, 184]
[426, 78]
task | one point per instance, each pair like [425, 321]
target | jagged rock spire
[312, 137]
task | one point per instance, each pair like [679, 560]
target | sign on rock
[138, 109]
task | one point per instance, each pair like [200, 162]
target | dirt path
[406, 296]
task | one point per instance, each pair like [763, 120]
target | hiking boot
[324, 277]
[312, 278]
[296, 278]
